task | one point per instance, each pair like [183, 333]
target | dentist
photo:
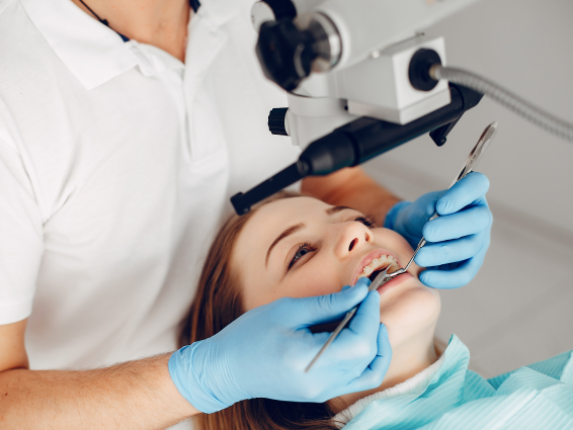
[125, 126]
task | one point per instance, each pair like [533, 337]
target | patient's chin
[409, 314]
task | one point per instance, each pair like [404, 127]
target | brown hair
[217, 303]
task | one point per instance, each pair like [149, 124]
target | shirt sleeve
[21, 238]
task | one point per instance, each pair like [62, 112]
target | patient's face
[300, 246]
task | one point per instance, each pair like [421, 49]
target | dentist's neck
[408, 360]
[162, 23]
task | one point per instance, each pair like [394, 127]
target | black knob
[285, 53]
[419, 70]
[277, 118]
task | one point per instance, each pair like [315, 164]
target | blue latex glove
[265, 351]
[457, 240]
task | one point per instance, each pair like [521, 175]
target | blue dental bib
[539, 396]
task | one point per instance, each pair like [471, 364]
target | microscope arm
[360, 141]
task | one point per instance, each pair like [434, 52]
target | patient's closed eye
[368, 222]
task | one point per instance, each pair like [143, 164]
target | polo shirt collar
[95, 53]
[91, 51]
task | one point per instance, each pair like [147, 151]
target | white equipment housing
[374, 41]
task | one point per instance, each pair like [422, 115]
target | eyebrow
[293, 229]
[336, 209]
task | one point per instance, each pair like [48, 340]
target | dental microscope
[361, 79]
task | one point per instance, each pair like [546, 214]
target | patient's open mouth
[377, 265]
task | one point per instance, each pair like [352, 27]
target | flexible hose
[521, 107]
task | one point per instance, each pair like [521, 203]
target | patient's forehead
[290, 208]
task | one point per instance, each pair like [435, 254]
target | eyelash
[364, 220]
[368, 222]
[300, 248]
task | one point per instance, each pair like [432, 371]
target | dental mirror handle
[380, 280]
[332, 336]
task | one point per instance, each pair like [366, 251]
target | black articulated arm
[360, 141]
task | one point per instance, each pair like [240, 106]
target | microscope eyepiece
[290, 50]
[285, 53]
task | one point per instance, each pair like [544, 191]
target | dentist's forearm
[137, 394]
[354, 188]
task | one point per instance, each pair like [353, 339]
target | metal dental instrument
[471, 163]
[468, 167]
[380, 280]
[383, 277]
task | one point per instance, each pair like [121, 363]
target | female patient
[295, 246]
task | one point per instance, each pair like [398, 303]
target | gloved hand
[457, 240]
[265, 351]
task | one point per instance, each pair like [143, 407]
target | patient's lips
[374, 263]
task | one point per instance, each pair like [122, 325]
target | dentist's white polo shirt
[116, 165]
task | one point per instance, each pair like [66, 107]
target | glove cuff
[188, 376]
[390, 220]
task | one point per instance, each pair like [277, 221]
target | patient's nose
[351, 237]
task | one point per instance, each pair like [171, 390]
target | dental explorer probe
[471, 163]
[383, 277]
[380, 280]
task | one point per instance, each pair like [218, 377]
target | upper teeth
[377, 263]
